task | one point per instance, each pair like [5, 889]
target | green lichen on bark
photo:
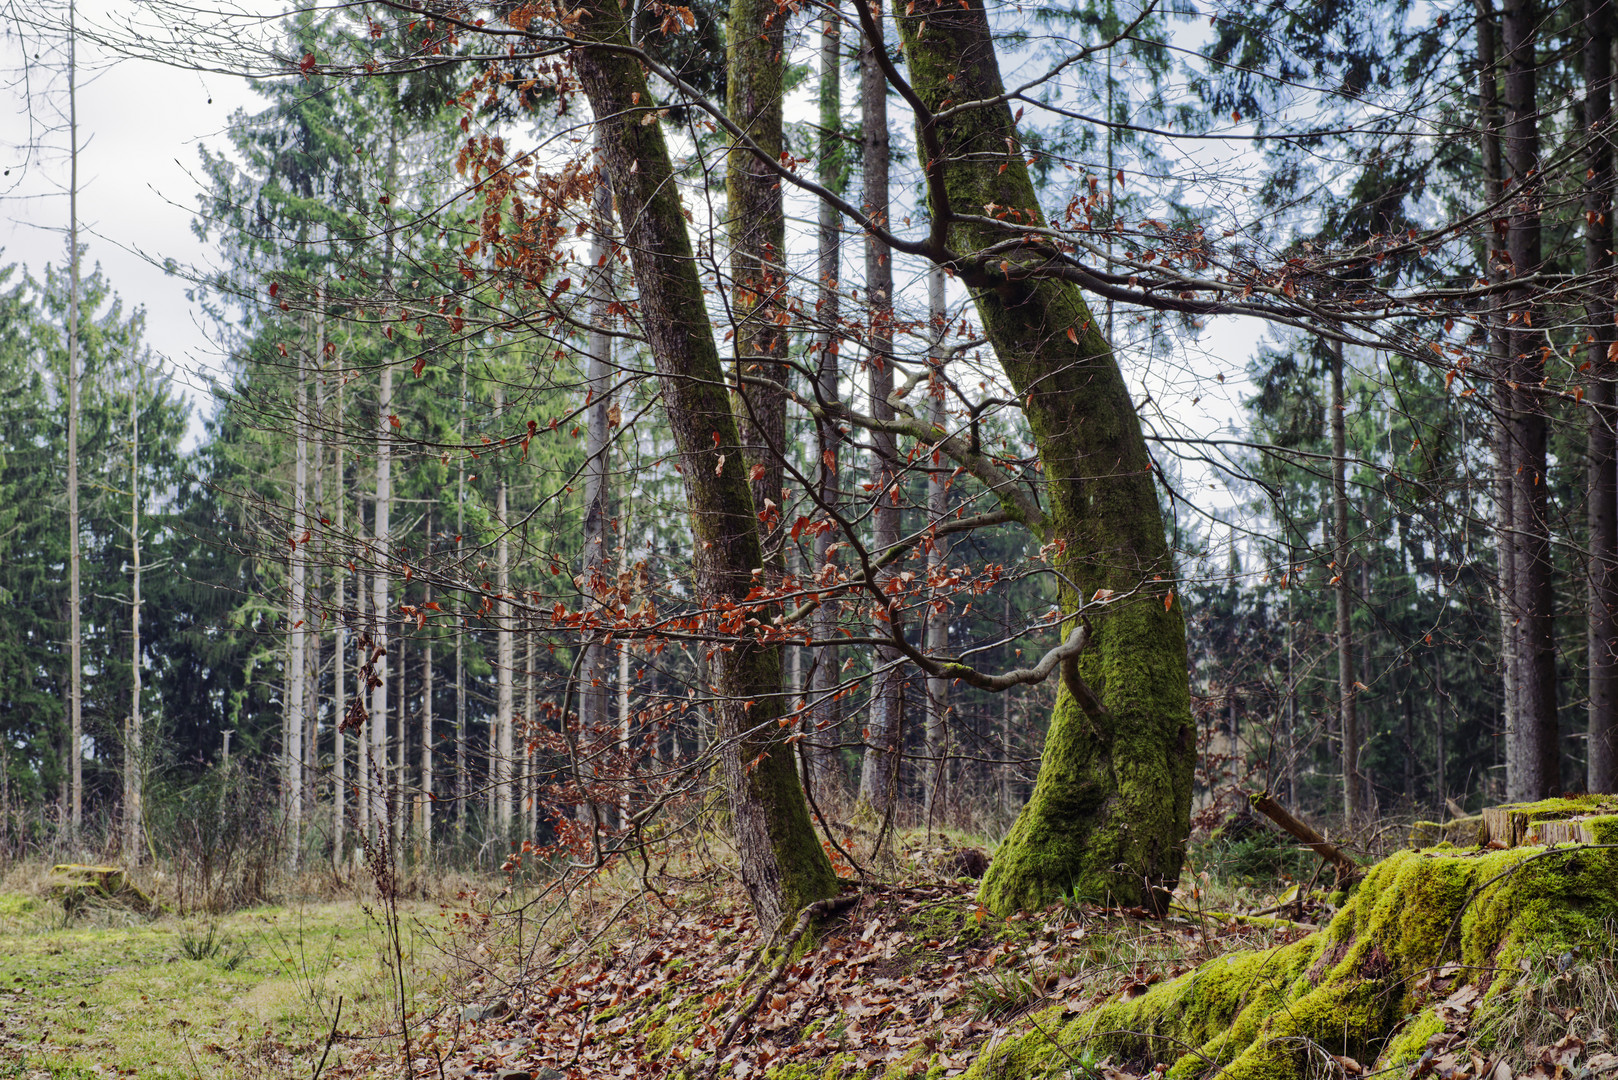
[1110, 809]
[1357, 987]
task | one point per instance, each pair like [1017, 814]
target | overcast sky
[141, 124]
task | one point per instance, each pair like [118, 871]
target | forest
[716, 514]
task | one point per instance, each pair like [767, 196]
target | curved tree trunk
[782, 863]
[1111, 807]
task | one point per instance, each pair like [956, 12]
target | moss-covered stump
[75, 884]
[1365, 987]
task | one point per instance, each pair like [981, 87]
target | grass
[250, 994]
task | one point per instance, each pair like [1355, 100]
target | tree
[783, 865]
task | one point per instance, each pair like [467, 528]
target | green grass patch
[186, 998]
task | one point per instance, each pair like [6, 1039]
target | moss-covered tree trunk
[1111, 807]
[782, 863]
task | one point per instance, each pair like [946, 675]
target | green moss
[1352, 988]
[16, 905]
[1407, 1044]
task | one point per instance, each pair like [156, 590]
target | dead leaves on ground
[910, 973]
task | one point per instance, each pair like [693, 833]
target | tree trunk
[1505, 455]
[1111, 807]
[134, 739]
[595, 582]
[757, 230]
[427, 793]
[339, 796]
[883, 732]
[75, 747]
[1601, 767]
[463, 779]
[297, 616]
[938, 749]
[500, 743]
[1532, 759]
[782, 862]
[1347, 705]
[374, 779]
[826, 709]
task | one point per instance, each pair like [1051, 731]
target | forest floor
[108, 992]
[617, 983]
[907, 977]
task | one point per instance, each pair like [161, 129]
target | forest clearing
[810, 539]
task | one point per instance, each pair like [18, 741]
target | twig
[330, 1038]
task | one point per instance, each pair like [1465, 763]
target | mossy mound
[75, 885]
[1363, 987]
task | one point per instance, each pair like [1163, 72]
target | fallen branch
[1347, 868]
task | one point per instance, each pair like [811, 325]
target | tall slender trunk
[782, 863]
[1347, 708]
[1601, 767]
[595, 582]
[623, 700]
[826, 713]
[375, 781]
[297, 616]
[524, 738]
[75, 747]
[428, 793]
[399, 782]
[463, 779]
[134, 809]
[312, 607]
[339, 644]
[1112, 803]
[1505, 455]
[500, 745]
[938, 748]
[1532, 754]
[883, 731]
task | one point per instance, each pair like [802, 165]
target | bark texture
[1111, 807]
[1532, 770]
[826, 710]
[1347, 703]
[1602, 453]
[758, 237]
[884, 728]
[782, 862]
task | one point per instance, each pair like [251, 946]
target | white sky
[140, 124]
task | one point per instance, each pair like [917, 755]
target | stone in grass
[76, 884]
[1372, 986]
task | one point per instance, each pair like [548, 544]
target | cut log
[1586, 819]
